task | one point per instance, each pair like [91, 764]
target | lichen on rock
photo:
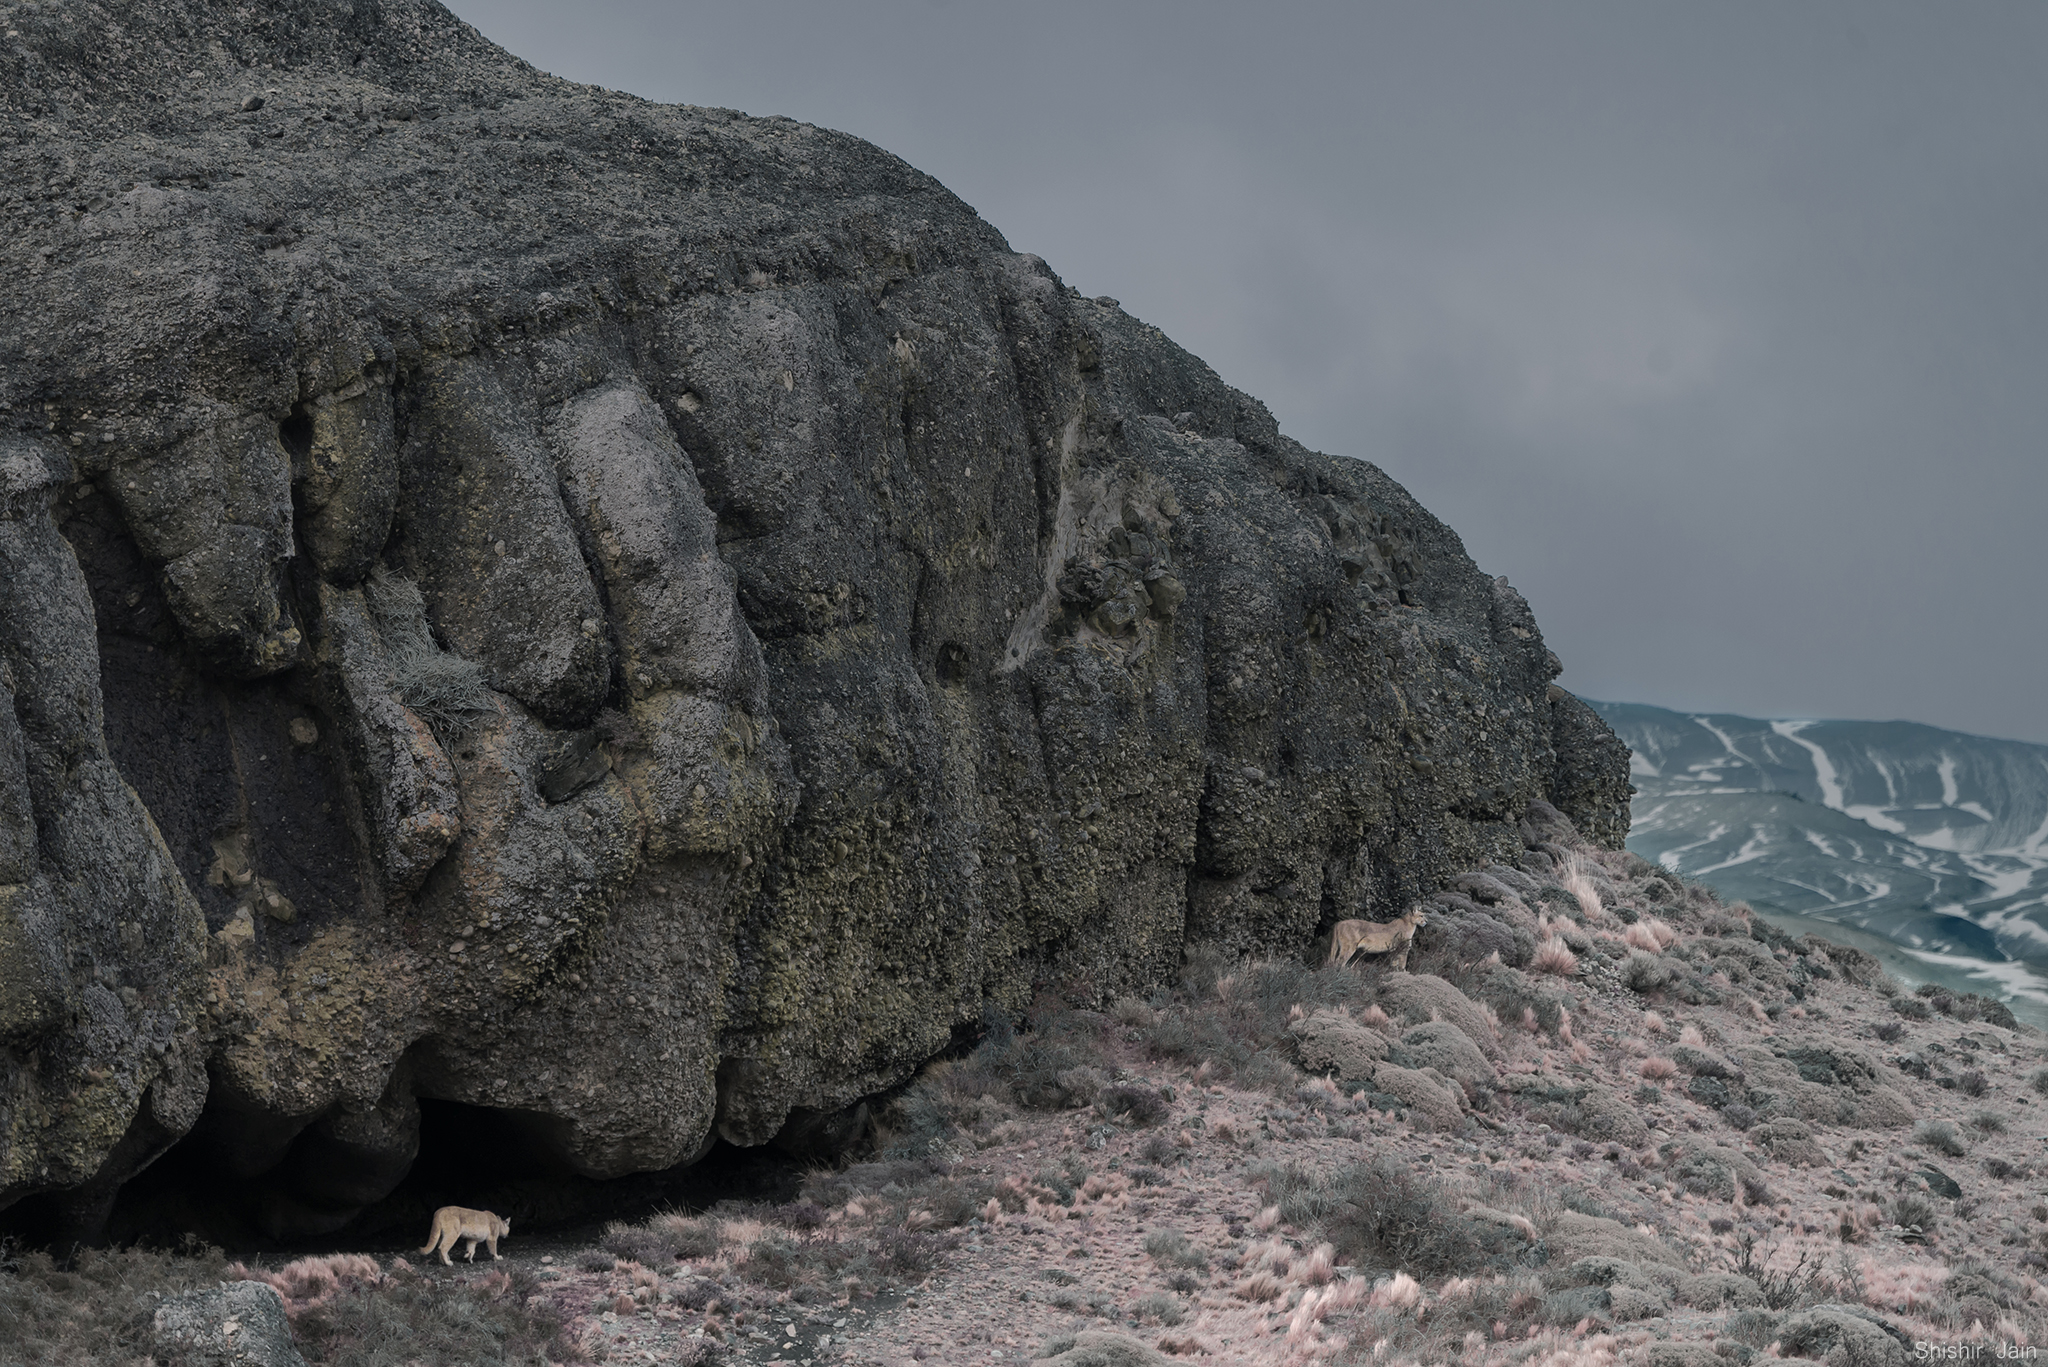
[678, 657]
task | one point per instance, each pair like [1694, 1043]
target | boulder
[240, 1324]
[640, 618]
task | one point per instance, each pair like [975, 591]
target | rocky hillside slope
[1599, 1119]
[641, 617]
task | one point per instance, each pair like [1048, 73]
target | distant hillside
[1933, 840]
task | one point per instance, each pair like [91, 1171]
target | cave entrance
[476, 1156]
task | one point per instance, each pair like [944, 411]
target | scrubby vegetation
[1682, 1119]
[95, 1309]
[91, 1310]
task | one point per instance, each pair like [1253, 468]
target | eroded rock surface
[641, 617]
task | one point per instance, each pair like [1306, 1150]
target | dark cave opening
[204, 1188]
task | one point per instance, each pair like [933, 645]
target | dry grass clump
[1657, 1069]
[1576, 879]
[1649, 934]
[1555, 957]
[446, 691]
[1170, 1248]
[345, 1310]
[851, 1233]
[1940, 1136]
[404, 1316]
[93, 1308]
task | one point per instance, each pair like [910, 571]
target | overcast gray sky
[1721, 330]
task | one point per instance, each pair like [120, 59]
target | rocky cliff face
[641, 617]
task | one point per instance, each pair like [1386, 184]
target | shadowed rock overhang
[638, 616]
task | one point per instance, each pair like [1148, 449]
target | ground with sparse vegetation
[1599, 1118]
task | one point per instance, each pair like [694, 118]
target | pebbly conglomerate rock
[643, 617]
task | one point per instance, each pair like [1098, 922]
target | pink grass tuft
[1402, 1292]
[1657, 1069]
[1552, 956]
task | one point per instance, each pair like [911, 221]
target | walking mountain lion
[1374, 937]
[460, 1222]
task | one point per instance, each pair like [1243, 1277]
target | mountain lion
[1370, 937]
[476, 1226]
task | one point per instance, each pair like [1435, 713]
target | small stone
[252, 104]
[303, 731]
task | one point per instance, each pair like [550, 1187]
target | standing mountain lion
[459, 1222]
[1373, 937]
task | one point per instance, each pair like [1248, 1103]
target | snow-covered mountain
[1933, 840]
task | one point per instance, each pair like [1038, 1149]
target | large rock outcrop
[642, 617]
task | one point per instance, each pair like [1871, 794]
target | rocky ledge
[642, 618]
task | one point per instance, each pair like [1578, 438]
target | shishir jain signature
[1972, 1352]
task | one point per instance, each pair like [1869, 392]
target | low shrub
[1890, 1031]
[88, 1310]
[1647, 973]
[407, 1317]
[1382, 1215]
[1161, 1150]
[1970, 1082]
[1138, 1105]
[1158, 1308]
[1170, 1248]
[1910, 1210]
[1940, 1136]
[1912, 1008]
[1989, 1122]
[641, 1244]
[1802, 1282]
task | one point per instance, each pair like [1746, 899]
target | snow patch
[1823, 767]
